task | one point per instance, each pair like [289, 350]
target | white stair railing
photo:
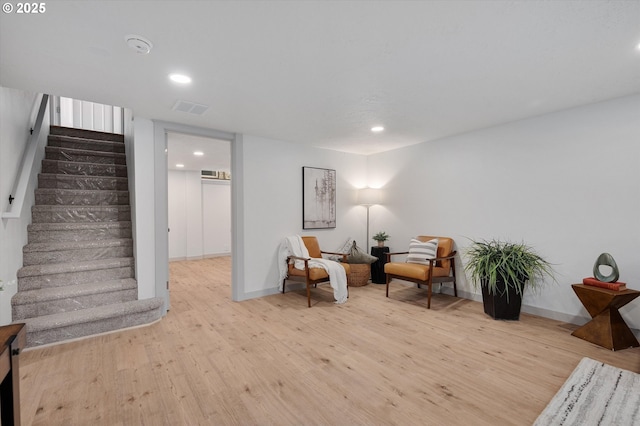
[67, 112]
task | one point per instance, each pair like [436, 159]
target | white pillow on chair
[421, 252]
[344, 248]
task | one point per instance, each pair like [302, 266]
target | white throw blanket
[294, 246]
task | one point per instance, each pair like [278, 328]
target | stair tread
[76, 245]
[68, 138]
[79, 151]
[89, 192]
[73, 177]
[98, 134]
[76, 226]
[80, 316]
[70, 291]
[81, 207]
[85, 265]
[84, 163]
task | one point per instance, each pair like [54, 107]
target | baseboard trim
[260, 293]
[223, 254]
[534, 310]
[204, 256]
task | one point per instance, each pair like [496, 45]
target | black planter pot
[497, 307]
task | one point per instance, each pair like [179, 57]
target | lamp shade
[368, 196]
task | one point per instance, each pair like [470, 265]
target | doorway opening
[161, 130]
[199, 196]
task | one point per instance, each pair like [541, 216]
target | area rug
[595, 394]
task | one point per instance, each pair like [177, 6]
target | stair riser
[82, 182]
[80, 215]
[83, 169]
[73, 278]
[86, 145]
[58, 154]
[94, 234]
[104, 199]
[88, 134]
[42, 337]
[48, 307]
[66, 256]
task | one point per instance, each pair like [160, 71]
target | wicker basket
[360, 273]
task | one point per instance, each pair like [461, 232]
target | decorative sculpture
[606, 259]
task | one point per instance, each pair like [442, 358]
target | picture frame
[318, 198]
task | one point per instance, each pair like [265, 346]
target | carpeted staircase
[78, 274]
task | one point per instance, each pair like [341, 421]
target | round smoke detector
[139, 43]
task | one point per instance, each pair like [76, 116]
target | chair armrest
[392, 254]
[298, 258]
[344, 255]
[304, 259]
[451, 256]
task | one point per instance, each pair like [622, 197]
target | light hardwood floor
[273, 361]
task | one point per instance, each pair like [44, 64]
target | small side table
[607, 327]
[377, 268]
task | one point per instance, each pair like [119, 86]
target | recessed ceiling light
[180, 78]
[179, 165]
[377, 129]
[198, 153]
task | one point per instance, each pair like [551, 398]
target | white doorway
[199, 196]
[160, 205]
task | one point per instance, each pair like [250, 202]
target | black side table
[377, 268]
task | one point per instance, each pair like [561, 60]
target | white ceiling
[324, 72]
[180, 148]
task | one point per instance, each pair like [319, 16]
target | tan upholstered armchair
[311, 276]
[438, 270]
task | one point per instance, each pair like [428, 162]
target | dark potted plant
[502, 269]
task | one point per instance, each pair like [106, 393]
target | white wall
[566, 183]
[143, 198]
[199, 216]
[17, 115]
[216, 217]
[272, 197]
[176, 182]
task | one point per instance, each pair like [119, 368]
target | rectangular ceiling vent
[190, 107]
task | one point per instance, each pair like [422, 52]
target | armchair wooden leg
[388, 279]
[453, 269]
[283, 284]
[429, 296]
[308, 295]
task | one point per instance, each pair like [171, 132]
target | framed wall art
[318, 198]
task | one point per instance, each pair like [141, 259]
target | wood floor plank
[273, 361]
